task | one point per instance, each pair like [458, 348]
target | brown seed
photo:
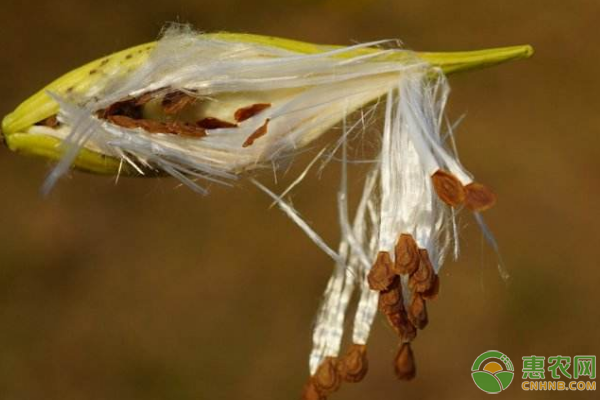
[242, 114]
[390, 300]
[422, 279]
[311, 392]
[327, 379]
[185, 129]
[152, 126]
[214, 123]
[176, 101]
[479, 197]
[261, 131]
[417, 311]
[50, 122]
[448, 188]
[354, 365]
[404, 363]
[407, 255]
[381, 276]
[432, 292]
[148, 125]
[402, 326]
[124, 121]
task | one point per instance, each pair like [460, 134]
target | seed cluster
[405, 312]
[351, 368]
[405, 281]
[128, 113]
[475, 196]
[410, 269]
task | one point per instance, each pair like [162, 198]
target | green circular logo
[492, 376]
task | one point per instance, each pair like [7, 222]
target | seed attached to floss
[422, 279]
[417, 311]
[399, 321]
[407, 255]
[311, 392]
[244, 113]
[432, 292]
[354, 365]
[261, 131]
[390, 300]
[448, 188]
[404, 363]
[381, 275]
[214, 123]
[327, 379]
[479, 197]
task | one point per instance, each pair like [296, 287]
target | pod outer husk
[41, 106]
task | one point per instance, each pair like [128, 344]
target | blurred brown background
[147, 291]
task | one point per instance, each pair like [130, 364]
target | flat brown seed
[242, 114]
[479, 197]
[185, 129]
[176, 101]
[407, 255]
[417, 311]
[432, 292]
[150, 126]
[381, 276]
[327, 379]
[354, 365]
[402, 326]
[310, 391]
[390, 300]
[123, 121]
[422, 279]
[448, 188]
[261, 131]
[214, 123]
[404, 363]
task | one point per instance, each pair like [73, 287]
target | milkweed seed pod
[215, 107]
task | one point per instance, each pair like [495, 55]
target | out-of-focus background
[143, 290]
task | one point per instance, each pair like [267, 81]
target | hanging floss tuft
[208, 108]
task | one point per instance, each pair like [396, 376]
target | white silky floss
[398, 198]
